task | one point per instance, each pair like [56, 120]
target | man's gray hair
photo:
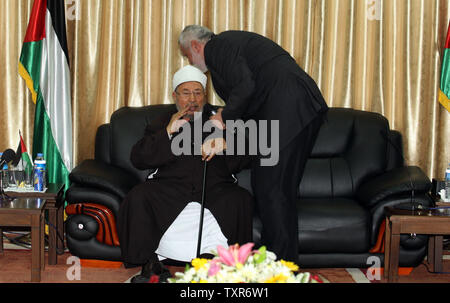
[194, 32]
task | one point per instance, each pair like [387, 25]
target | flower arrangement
[242, 265]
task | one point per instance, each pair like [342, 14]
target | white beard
[199, 62]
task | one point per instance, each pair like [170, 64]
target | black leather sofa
[356, 169]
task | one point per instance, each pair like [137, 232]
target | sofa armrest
[394, 182]
[83, 194]
[377, 213]
[94, 173]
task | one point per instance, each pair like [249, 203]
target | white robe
[179, 242]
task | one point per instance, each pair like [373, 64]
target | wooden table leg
[430, 254]
[438, 248]
[434, 257]
[42, 237]
[393, 258]
[56, 226]
[35, 248]
[387, 247]
[52, 258]
[1, 240]
[60, 228]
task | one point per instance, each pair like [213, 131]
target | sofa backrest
[351, 147]
[127, 126]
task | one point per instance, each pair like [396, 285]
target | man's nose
[192, 97]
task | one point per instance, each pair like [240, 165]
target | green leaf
[260, 256]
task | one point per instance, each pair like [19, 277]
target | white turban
[187, 74]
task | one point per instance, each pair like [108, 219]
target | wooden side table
[54, 205]
[435, 223]
[27, 212]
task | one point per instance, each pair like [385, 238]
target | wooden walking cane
[202, 211]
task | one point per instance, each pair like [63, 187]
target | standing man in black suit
[259, 80]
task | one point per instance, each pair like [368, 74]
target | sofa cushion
[333, 226]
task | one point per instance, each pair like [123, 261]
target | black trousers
[276, 191]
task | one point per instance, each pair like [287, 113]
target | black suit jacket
[259, 80]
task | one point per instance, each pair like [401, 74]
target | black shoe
[140, 279]
[164, 276]
[149, 269]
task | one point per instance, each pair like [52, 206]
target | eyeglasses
[186, 94]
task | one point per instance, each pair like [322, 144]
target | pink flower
[234, 254]
[213, 267]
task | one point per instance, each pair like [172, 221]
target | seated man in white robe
[159, 218]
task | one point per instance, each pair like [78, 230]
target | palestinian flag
[44, 65]
[444, 92]
[22, 157]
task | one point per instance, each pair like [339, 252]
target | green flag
[22, 157]
[444, 92]
[44, 66]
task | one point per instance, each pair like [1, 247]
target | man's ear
[195, 45]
